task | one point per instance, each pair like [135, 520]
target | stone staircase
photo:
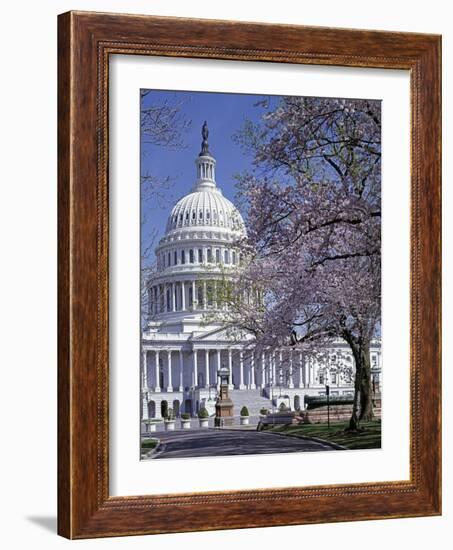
[252, 399]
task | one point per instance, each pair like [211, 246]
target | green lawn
[147, 445]
[368, 438]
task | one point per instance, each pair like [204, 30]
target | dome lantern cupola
[205, 163]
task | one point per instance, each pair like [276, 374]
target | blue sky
[225, 115]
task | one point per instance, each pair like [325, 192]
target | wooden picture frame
[85, 41]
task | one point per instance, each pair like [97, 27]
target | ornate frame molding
[86, 40]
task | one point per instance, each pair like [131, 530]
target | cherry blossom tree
[312, 205]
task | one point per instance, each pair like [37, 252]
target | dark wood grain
[85, 42]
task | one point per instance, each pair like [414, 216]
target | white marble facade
[182, 352]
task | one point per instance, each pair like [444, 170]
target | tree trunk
[366, 392]
[362, 386]
[354, 421]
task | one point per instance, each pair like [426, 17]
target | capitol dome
[205, 209]
[199, 247]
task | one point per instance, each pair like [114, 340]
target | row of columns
[271, 368]
[181, 296]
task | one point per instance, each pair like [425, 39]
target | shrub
[264, 411]
[244, 411]
[203, 413]
[170, 415]
[185, 416]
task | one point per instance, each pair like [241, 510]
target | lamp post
[328, 405]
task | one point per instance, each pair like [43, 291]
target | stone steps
[252, 399]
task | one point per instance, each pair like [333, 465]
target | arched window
[163, 406]
[200, 214]
[226, 256]
[169, 259]
[200, 256]
[194, 215]
[233, 257]
[188, 406]
[207, 215]
[191, 256]
[175, 258]
[176, 407]
[210, 293]
[209, 255]
[183, 257]
[217, 255]
[168, 300]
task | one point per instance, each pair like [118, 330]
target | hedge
[316, 401]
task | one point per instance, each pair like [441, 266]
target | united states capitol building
[183, 346]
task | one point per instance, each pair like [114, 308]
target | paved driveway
[210, 442]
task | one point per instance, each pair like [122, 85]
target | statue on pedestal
[224, 405]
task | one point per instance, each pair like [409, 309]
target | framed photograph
[249, 275]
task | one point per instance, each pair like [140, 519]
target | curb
[158, 449]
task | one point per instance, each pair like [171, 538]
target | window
[217, 256]
[233, 258]
[183, 257]
[175, 258]
[226, 257]
[200, 215]
[191, 256]
[209, 255]
[169, 259]
[207, 215]
[194, 215]
[200, 256]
